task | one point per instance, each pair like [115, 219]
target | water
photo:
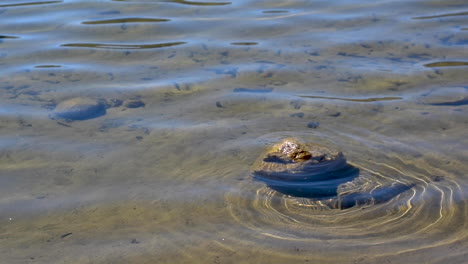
[170, 182]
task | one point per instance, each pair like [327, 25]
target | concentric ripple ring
[397, 203]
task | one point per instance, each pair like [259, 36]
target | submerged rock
[114, 102]
[322, 174]
[453, 96]
[134, 103]
[79, 108]
[313, 124]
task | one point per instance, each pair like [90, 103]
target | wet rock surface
[80, 108]
[291, 155]
[310, 170]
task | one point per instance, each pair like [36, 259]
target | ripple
[460, 102]
[447, 64]
[247, 90]
[442, 15]
[123, 46]
[244, 43]
[8, 37]
[198, 3]
[48, 66]
[275, 11]
[186, 2]
[362, 100]
[423, 215]
[31, 3]
[125, 20]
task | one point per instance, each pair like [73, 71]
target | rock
[303, 170]
[79, 108]
[134, 103]
[300, 115]
[451, 96]
[313, 124]
[292, 159]
[310, 170]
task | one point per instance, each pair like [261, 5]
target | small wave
[8, 37]
[198, 3]
[454, 103]
[123, 46]
[31, 3]
[274, 11]
[244, 43]
[187, 2]
[446, 64]
[125, 20]
[48, 66]
[362, 100]
[442, 15]
[247, 90]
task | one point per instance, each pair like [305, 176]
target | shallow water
[171, 182]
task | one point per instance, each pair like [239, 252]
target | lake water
[171, 181]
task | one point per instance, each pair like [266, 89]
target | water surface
[221, 81]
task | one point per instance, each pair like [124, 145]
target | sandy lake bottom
[193, 93]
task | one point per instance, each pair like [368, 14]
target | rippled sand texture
[169, 180]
